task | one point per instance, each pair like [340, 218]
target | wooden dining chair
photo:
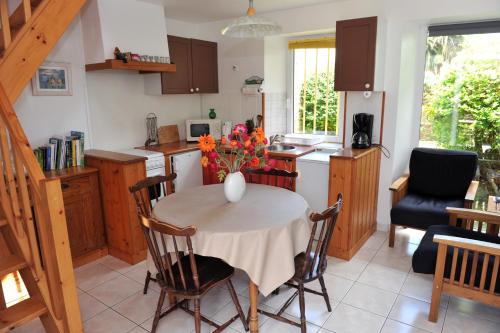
[144, 192]
[274, 177]
[185, 275]
[311, 264]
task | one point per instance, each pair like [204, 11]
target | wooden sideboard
[82, 204]
[355, 174]
[117, 173]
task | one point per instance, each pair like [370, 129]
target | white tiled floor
[374, 292]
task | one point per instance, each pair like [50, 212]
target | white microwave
[198, 127]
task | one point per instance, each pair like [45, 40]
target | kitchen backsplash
[276, 113]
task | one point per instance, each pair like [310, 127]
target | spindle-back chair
[185, 275]
[145, 192]
[311, 264]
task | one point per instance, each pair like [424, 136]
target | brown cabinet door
[82, 206]
[355, 54]
[205, 69]
[179, 82]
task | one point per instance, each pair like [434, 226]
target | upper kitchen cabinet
[355, 54]
[197, 70]
[180, 82]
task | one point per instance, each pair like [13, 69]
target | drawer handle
[64, 186]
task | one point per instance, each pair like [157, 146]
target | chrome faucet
[276, 139]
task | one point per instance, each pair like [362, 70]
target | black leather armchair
[438, 178]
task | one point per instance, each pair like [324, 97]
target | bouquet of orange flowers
[230, 154]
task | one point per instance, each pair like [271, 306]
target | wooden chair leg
[237, 304]
[437, 286]
[161, 299]
[197, 316]
[146, 283]
[302, 306]
[325, 293]
[392, 235]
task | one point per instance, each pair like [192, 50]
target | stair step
[21, 313]
[10, 264]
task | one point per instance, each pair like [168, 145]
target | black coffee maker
[362, 128]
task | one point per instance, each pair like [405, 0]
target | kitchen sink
[280, 147]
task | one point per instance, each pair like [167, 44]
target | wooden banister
[31, 205]
[34, 41]
[4, 20]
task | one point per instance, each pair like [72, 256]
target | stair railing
[34, 208]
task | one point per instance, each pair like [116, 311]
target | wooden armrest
[469, 244]
[471, 191]
[400, 183]
[472, 214]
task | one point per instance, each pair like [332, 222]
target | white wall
[44, 116]
[133, 26]
[118, 109]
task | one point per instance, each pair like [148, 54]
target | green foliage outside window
[461, 105]
[326, 105]
[471, 95]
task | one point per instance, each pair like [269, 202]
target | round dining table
[261, 234]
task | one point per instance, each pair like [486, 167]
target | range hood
[134, 26]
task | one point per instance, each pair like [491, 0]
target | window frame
[338, 138]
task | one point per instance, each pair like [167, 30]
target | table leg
[253, 320]
[172, 300]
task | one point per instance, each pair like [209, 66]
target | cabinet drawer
[76, 186]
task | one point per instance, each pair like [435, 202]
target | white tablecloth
[261, 234]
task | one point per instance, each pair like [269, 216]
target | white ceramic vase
[234, 186]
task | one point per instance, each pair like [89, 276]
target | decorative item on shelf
[135, 57]
[144, 58]
[52, 79]
[254, 79]
[243, 149]
[251, 26]
[120, 56]
[152, 128]
[212, 113]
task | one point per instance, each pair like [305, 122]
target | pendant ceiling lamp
[251, 26]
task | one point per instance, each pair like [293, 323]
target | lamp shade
[251, 27]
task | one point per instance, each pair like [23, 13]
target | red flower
[213, 154]
[254, 162]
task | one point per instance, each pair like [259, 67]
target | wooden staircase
[33, 232]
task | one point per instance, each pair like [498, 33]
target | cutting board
[168, 134]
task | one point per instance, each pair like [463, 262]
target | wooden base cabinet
[355, 174]
[82, 204]
[117, 173]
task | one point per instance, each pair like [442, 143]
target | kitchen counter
[350, 153]
[183, 146]
[172, 148]
[113, 156]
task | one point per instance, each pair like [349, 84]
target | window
[461, 102]
[315, 103]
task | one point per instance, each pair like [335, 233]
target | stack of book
[62, 152]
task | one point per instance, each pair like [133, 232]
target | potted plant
[229, 155]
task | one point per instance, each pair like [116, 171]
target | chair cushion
[210, 272]
[425, 256]
[421, 212]
[441, 172]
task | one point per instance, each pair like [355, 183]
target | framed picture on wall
[53, 79]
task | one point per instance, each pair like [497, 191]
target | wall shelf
[141, 66]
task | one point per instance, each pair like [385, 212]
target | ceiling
[199, 11]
